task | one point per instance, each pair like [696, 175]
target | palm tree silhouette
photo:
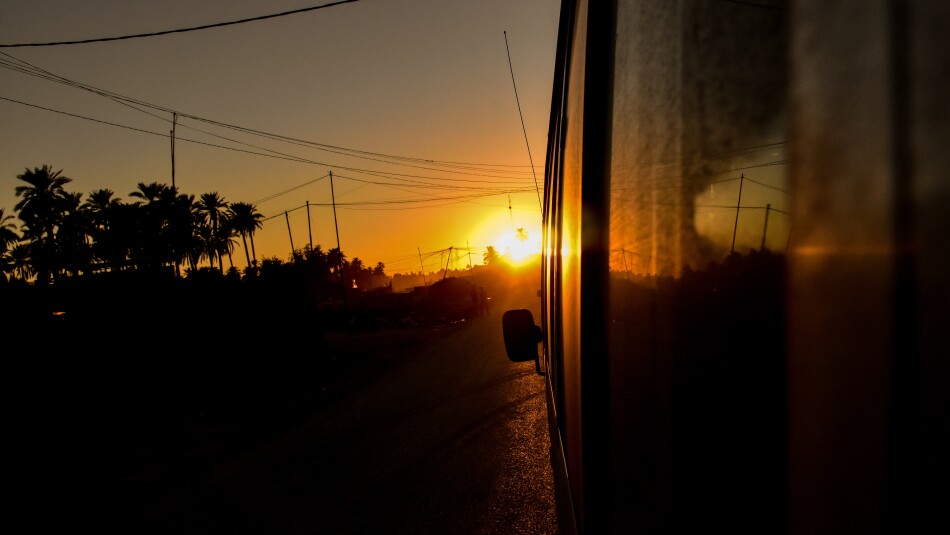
[149, 193]
[491, 256]
[8, 237]
[225, 239]
[41, 212]
[22, 263]
[246, 220]
[102, 211]
[181, 232]
[213, 208]
[8, 233]
[159, 204]
[72, 237]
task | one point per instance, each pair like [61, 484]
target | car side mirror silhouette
[522, 337]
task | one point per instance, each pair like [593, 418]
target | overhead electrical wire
[25, 67]
[766, 185]
[494, 186]
[178, 30]
[417, 184]
[127, 102]
[386, 202]
[159, 134]
[431, 196]
[289, 190]
[279, 156]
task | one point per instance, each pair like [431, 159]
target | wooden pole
[447, 260]
[765, 229]
[623, 254]
[422, 267]
[309, 229]
[471, 266]
[738, 205]
[292, 249]
[174, 124]
[339, 250]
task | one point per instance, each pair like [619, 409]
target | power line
[159, 134]
[179, 30]
[418, 184]
[286, 191]
[276, 155]
[767, 185]
[27, 68]
[355, 205]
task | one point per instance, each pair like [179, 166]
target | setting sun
[520, 246]
[517, 240]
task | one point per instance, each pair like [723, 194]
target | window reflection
[696, 309]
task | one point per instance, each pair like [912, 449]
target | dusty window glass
[698, 230]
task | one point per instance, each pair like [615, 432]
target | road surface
[444, 436]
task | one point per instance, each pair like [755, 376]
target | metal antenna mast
[523, 129]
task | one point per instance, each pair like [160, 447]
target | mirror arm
[539, 337]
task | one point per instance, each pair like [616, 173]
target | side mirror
[522, 337]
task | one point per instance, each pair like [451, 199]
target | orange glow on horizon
[518, 247]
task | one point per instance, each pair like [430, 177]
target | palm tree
[225, 238]
[8, 234]
[213, 207]
[246, 220]
[102, 211]
[336, 259]
[157, 201]
[204, 245]
[6, 266]
[22, 263]
[149, 193]
[72, 236]
[181, 231]
[40, 211]
[491, 256]
[8, 237]
[355, 273]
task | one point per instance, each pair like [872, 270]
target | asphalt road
[440, 435]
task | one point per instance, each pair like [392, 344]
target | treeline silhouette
[65, 235]
[95, 287]
[128, 305]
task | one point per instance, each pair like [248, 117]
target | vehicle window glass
[696, 271]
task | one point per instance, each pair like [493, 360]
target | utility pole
[471, 266]
[422, 267]
[623, 254]
[309, 230]
[174, 124]
[339, 250]
[287, 217]
[765, 229]
[738, 205]
[447, 260]
[172, 139]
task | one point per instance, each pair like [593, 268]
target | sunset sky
[426, 80]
